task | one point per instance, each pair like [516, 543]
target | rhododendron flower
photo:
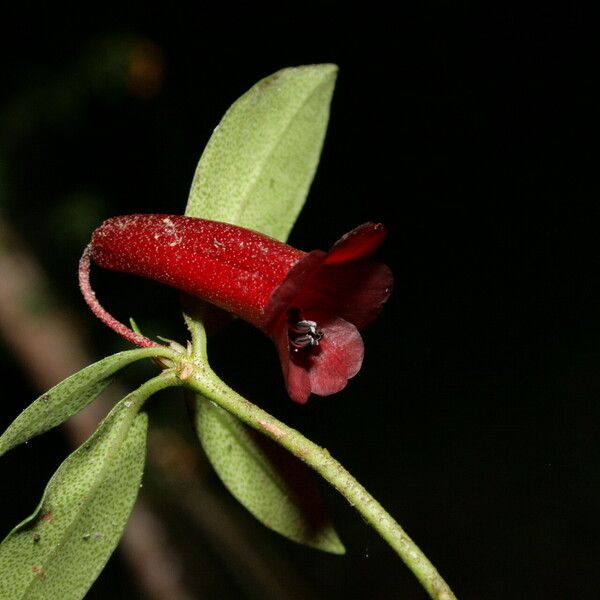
[310, 304]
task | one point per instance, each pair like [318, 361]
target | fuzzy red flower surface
[312, 305]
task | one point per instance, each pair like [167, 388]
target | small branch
[204, 381]
[146, 546]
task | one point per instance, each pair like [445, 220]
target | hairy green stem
[198, 376]
[161, 382]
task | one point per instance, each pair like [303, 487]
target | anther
[304, 334]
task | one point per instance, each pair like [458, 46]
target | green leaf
[271, 483]
[68, 397]
[59, 550]
[256, 172]
[261, 159]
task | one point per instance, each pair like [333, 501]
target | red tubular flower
[310, 304]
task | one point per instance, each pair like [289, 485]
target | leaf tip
[324, 70]
[335, 546]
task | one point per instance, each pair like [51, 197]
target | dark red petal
[325, 369]
[284, 296]
[282, 344]
[347, 287]
[340, 357]
[355, 292]
[357, 244]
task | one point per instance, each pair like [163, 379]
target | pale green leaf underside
[57, 552]
[271, 483]
[261, 159]
[67, 398]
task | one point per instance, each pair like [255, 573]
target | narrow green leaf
[68, 397]
[59, 550]
[261, 159]
[271, 483]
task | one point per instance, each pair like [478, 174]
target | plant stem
[204, 381]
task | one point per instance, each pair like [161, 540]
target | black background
[468, 133]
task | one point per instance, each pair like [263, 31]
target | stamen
[304, 334]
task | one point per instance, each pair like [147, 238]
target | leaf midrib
[258, 171]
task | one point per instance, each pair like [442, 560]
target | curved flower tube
[310, 304]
